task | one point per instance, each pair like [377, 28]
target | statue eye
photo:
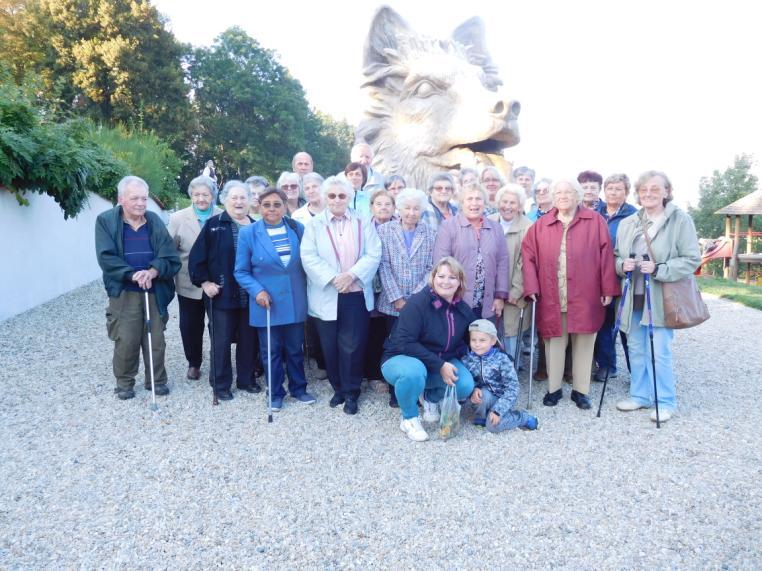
[424, 89]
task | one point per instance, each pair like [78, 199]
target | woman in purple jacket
[479, 245]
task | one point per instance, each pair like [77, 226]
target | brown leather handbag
[683, 305]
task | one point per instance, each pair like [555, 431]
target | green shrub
[146, 156]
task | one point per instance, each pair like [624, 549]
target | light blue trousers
[410, 378]
[642, 383]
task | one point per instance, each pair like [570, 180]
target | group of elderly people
[384, 280]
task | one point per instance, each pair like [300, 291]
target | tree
[111, 60]
[254, 115]
[720, 190]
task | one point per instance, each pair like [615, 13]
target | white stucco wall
[43, 255]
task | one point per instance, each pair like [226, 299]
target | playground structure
[728, 246]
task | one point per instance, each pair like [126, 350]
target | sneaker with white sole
[412, 427]
[664, 415]
[430, 411]
[628, 405]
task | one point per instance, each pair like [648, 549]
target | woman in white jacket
[340, 254]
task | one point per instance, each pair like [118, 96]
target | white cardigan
[321, 265]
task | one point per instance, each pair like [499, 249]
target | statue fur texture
[433, 105]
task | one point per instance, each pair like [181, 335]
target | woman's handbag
[683, 306]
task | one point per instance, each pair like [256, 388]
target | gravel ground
[92, 482]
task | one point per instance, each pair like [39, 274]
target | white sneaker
[412, 427]
[430, 411]
[629, 404]
[664, 415]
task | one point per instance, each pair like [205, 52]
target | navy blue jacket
[624, 211]
[430, 329]
[212, 259]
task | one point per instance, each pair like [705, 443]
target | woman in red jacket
[569, 271]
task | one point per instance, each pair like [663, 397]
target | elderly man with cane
[137, 256]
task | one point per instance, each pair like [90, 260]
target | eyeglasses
[443, 188]
[490, 180]
[268, 205]
[289, 186]
[542, 191]
[332, 196]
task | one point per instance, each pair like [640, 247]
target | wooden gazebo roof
[749, 204]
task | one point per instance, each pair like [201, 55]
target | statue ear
[470, 34]
[382, 43]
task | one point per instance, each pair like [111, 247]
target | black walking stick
[647, 278]
[627, 281]
[531, 355]
[518, 340]
[212, 368]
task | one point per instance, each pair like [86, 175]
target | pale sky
[604, 85]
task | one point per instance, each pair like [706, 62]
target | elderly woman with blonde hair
[514, 223]
[568, 267]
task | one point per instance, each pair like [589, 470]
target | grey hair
[390, 180]
[441, 176]
[286, 175]
[258, 181]
[230, 185]
[409, 194]
[333, 181]
[129, 180]
[493, 169]
[618, 177]
[312, 177]
[466, 170]
[518, 171]
[203, 181]
[476, 187]
[571, 182]
[515, 189]
[648, 175]
[360, 144]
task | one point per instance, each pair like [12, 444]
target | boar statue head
[433, 105]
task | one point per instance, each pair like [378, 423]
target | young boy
[497, 386]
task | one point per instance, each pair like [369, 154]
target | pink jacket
[457, 238]
[590, 271]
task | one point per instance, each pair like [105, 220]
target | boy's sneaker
[479, 422]
[412, 427]
[430, 411]
[531, 423]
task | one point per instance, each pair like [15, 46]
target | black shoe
[581, 400]
[224, 394]
[336, 400]
[350, 405]
[258, 372]
[124, 394]
[252, 389]
[160, 390]
[551, 399]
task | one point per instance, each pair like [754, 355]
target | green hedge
[69, 158]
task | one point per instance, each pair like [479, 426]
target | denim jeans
[410, 378]
[511, 419]
[284, 340]
[642, 383]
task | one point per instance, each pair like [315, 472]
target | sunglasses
[267, 205]
[332, 196]
[290, 186]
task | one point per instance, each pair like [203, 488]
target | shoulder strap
[647, 238]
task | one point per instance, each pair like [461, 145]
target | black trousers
[232, 326]
[343, 342]
[192, 314]
[312, 342]
[377, 334]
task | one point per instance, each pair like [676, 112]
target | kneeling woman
[422, 354]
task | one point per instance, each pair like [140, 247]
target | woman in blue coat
[269, 267]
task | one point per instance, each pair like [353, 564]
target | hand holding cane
[647, 278]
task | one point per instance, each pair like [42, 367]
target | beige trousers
[583, 345]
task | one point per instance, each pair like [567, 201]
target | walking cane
[531, 355]
[212, 367]
[154, 406]
[627, 281]
[518, 340]
[647, 278]
[269, 372]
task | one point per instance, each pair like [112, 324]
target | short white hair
[333, 181]
[230, 185]
[512, 188]
[571, 182]
[359, 145]
[130, 180]
[203, 181]
[286, 175]
[408, 195]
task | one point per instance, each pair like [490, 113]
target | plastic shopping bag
[449, 414]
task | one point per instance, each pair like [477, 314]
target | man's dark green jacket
[109, 248]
